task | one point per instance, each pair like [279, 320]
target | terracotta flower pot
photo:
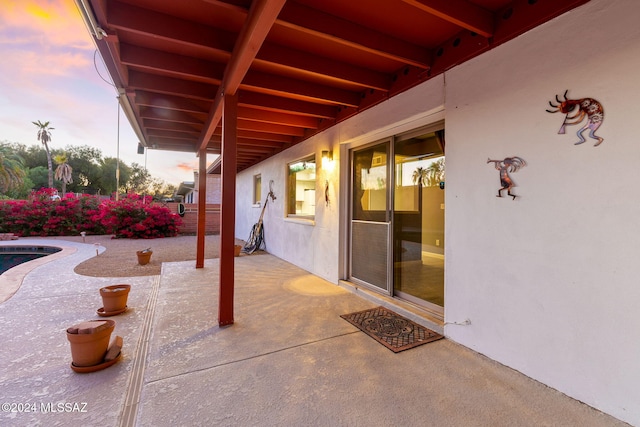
[144, 256]
[89, 341]
[114, 298]
[236, 250]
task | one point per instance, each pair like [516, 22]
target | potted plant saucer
[111, 357]
[114, 299]
[89, 341]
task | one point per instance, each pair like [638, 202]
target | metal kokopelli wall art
[587, 108]
[505, 167]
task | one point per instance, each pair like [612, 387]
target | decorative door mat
[390, 329]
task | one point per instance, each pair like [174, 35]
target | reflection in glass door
[397, 218]
[370, 217]
[418, 219]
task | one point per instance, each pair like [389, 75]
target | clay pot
[236, 250]
[144, 256]
[114, 298]
[89, 341]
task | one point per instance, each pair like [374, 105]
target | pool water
[10, 256]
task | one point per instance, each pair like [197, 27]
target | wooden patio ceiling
[298, 67]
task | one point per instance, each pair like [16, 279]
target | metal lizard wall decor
[588, 108]
[506, 166]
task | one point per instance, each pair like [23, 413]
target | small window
[257, 189]
[302, 188]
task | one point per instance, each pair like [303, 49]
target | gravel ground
[120, 260]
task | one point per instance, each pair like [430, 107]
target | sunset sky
[47, 73]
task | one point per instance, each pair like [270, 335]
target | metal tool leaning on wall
[256, 238]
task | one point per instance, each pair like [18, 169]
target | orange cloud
[48, 23]
[187, 166]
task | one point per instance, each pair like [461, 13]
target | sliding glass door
[397, 236]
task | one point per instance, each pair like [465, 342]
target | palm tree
[420, 176]
[11, 169]
[435, 173]
[63, 171]
[44, 136]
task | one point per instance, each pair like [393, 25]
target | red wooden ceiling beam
[171, 144]
[277, 118]
[170, 116]
[459, 12]
[256, 143]
[269, 128]
[169, 85]
[173, 102]
[210, 72]
[262, 15]
[164, 125]
[297, 89]
[178, 66]
[260, 136]
[329, 27]
[172, 134]
[217, 139]
[168, 28]
[309, 64]
[285, 105]
[219, 43]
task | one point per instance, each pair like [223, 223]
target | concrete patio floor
[289, 359]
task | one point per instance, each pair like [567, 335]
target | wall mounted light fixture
[327, 158]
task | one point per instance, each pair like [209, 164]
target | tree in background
[86, 163]
[63, 171]
[39, 177]
[138, 180]
[12, 173]
[90, 172]
[108, 180]
[44, 136]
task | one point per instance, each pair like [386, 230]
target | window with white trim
[257, 189]
[301, 188]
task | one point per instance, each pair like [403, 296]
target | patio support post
[228, 207]
[202, 208]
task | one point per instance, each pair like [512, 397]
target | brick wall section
[214, 188]
[190, 218]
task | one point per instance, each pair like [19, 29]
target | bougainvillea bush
[136, 218]
[45, 215]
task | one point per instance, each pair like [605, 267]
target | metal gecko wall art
[505, 167]
[588, 108]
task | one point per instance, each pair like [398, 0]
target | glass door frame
[433, 308]
[388, 290]
[436, 310]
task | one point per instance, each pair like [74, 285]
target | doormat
[390, 329]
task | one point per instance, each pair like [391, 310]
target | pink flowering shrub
[130, 218]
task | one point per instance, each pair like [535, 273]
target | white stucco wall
[315, 246]
[550, 280]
